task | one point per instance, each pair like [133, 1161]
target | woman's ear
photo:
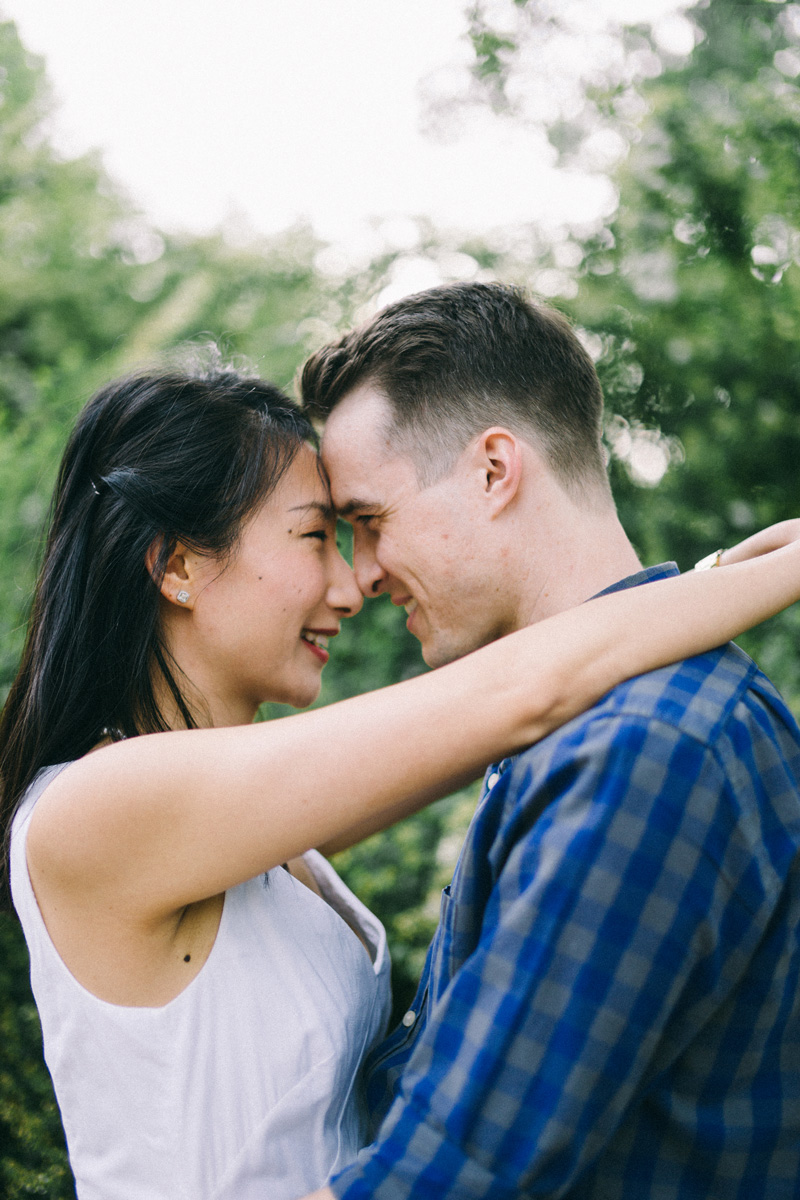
[176, 583]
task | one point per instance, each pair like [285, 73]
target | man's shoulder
[700, 696]
[705, 698]
[696, 696]
[704, 728]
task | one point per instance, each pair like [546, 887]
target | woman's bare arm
[775, 537]
[763, 542]
[159, 821]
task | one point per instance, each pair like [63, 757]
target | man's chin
[437, 653]
[442, 648]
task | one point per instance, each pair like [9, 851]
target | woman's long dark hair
[153, 459]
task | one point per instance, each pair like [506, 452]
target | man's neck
[583, 559]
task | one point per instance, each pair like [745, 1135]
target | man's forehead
[356, 450]
[356, 486]
[363, 483]
[351, 472]
[363, 415]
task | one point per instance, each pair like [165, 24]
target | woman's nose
[344, 595]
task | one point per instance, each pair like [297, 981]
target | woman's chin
[297, 697]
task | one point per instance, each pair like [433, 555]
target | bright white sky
[284, 109]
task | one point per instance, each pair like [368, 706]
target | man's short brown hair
[456, 359]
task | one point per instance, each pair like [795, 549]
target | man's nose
[369, 574]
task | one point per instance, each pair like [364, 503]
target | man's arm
[594, 970]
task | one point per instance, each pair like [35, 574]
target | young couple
[610, 1006]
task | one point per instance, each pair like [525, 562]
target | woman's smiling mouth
[317, 642]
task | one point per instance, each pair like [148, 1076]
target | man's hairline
[403, 441]
[391, 432]
[586, 490]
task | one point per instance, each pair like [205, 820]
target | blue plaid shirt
[611, 1004]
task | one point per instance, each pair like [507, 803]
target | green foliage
[491, 52]
[690, 295]
[698, 313]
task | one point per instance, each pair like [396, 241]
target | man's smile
[406, 602]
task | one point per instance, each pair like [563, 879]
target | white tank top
[244, 1086]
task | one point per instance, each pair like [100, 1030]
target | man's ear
[176, 585]
[500, 462]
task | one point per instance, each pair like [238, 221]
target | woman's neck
[206, 709]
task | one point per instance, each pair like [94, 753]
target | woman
[204, 1001]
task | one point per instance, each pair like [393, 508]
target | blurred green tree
[689, 296]
[698, 315]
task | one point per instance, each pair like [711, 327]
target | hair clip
[95, 488]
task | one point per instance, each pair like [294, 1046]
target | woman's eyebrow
[326, 511]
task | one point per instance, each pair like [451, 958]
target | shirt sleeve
[622, 910]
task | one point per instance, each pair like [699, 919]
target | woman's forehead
[304, 483]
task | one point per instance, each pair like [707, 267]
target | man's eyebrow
[326, 511]
[355, 505]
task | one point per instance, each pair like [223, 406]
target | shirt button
[409, 1018]
[492, 780]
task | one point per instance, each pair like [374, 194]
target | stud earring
[182, 597]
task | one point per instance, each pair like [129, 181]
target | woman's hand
[772, 538]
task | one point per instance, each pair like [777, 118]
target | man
[611, 1003]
